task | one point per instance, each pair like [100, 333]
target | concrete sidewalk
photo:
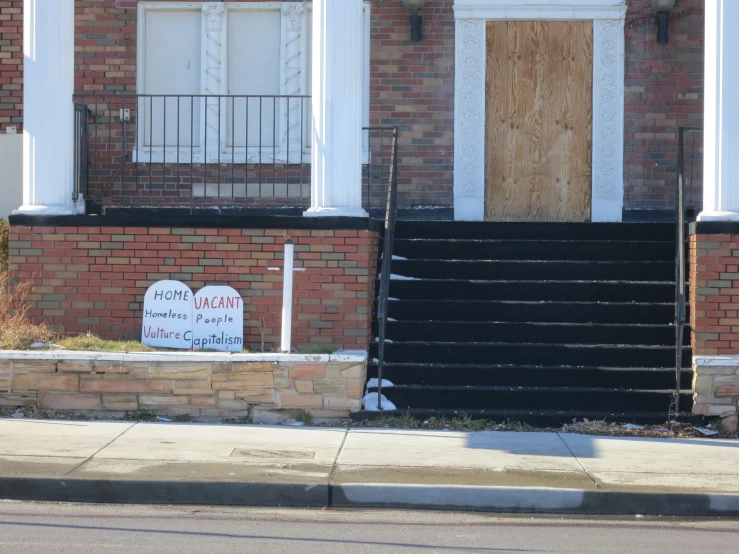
[285, 466]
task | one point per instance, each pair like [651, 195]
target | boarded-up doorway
[538, 133]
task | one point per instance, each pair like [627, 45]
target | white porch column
[721, 126]
[48, 112]
[336, 140]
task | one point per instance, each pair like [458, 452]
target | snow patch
[394, 277]
[372, 383]
[392, 320]
[399, 258]
[369, 402]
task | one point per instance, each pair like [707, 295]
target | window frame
[279, 153]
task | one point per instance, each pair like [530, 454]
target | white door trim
[608, 96]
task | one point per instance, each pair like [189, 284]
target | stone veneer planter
[716, 385]
[201, 385]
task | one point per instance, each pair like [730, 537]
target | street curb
[105, 491]
[373, 495]
[532, 500]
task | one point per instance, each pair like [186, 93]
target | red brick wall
[412, 85]
[714, 294]
[664, 89]
[11, 63]
[95, 278]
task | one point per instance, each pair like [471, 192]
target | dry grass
[17, 332]
[90, 342]
[4, 244]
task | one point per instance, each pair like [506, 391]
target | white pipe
[287, 296]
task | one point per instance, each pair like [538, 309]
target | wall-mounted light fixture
[416, 18]
[662, 7]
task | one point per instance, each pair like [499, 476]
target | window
[187, 50]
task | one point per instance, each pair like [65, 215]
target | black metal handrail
[680, 293]
[387, 257]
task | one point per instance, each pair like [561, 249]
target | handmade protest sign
[168, 319]
[218, 320]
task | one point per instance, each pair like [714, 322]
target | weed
[467, 423]
[305, 417]
[16, 330]
[519, 426]
[4, 244]
[316, 349]
[141, 415]
[403, 421]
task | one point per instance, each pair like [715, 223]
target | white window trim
[216, 82]
[608, 97]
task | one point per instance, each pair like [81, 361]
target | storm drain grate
[272, 454]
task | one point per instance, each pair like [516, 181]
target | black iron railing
[205, 150]
[81, 150]
[681, 220]
[387, 258]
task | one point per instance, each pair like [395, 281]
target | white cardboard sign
[168, 318]
[218, 320]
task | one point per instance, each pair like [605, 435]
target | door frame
[608, 16]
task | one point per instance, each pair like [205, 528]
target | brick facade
[663, 90]
[412, 85]
[94, 278]
[11, 64]
[224, 386]
[714, 319]
[714, 290]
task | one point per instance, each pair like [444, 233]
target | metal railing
[81, 150]
[681, 316]
[387, 257]
[207, 150]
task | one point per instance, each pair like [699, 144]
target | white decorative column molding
[608, 120]
[293, 72]
[213, 53]
[48, 110]
[469, 121]
[721, 125]
[608, 96]
[336, 142]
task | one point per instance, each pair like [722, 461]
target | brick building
[540, 142]
[410, 84]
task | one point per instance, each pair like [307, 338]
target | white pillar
[336, 147]
[48, 111]
[721, 126]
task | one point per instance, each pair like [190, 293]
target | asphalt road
[47, 528]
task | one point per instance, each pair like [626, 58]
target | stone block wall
[91, 273]
[200, 386]
[714, 319]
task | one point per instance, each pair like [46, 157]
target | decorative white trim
[608, 120]
[293, 76]
[608, 96]
[721, 113]
[539, 9]
[469, 120]
[213, 77]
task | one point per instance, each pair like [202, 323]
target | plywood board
[539, 110]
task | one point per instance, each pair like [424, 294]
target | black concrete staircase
[541, 323]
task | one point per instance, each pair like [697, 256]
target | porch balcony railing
[207, 150]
